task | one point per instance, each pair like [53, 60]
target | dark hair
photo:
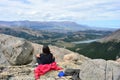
[46, 49]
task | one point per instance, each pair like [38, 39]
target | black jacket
[45, 58]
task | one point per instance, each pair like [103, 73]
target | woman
[46, 62]
[46, 57]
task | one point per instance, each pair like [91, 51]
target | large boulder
[99, 69]
[16, 51]
[93, 70]
[113, 70]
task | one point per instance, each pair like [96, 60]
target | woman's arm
[37, 55]
[38, 58]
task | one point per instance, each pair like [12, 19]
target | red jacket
[42, 69]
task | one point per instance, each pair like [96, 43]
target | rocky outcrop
[15, 51]
[96, 69]
[93, 70]
[99, 69]
[115, 36]
[16, 72]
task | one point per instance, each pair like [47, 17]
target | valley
[54, 38]
[91, 43]
[107, 48]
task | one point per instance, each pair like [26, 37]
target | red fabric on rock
[42, 69]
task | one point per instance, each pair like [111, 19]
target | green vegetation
[108, 51]
[53, 38]
[85, 35]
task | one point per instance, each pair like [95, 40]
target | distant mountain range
[37, 25]
[56, 26]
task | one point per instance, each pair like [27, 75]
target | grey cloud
[62, 9]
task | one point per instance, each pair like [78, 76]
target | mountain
[115, 37]
[51, 25]
[106, 48]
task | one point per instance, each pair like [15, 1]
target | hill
[48, 26]
[106, 48]
[115, 37]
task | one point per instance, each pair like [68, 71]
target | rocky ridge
[115, 36]
[17, 62]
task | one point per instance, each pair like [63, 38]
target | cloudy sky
[96, 13]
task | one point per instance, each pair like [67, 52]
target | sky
[95, 13]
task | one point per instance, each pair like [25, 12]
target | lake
[85, 41]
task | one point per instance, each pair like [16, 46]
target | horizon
[94, 13]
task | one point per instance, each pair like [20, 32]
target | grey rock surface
[99, 69]
[115, 37]
[3, 60]
[17, 51]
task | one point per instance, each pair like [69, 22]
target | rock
[113, 37]
[96, 69]
[71, 57]
[99, 69]
[4, 76]
[3, 60]
[16, 73]
[66, 65]
[59, 53]
[75, 58]
[17, 51]
[113, 70]
[93, 70]
[118, 60]
[37, 49]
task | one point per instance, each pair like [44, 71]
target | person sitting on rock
[46, 62]
[46, 57]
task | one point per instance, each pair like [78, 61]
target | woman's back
[46, 58]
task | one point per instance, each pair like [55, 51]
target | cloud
[73, 10]
[21, 1]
